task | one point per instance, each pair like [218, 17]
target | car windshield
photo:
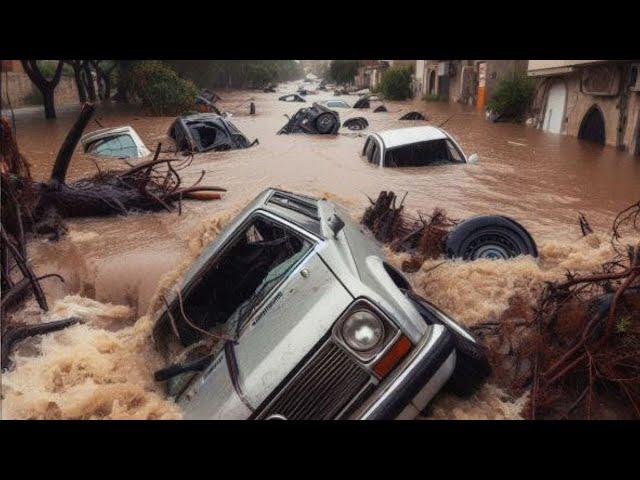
[433, 152]
[262, 254]
[119, 146]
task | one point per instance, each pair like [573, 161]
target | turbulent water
[115, 267]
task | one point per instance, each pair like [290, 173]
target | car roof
[406, 136]
[105, 132]
[201, 116]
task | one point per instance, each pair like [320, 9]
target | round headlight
[363, 331]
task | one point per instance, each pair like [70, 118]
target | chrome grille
[321, 389]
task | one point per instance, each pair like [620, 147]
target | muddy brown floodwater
[114, 266]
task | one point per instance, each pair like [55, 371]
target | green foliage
[512, 96]
[48, 68]
[237, 73]
[160, 88]
[343, 71]
[431, 97]
[34, 97]
[396, 83]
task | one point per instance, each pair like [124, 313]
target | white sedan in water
[414, 147]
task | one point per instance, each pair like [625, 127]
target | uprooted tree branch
[40, 207]
[577, 351]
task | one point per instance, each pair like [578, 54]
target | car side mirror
[473, 158]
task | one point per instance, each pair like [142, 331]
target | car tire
[489, 236]
[326, 123]
[472, 366]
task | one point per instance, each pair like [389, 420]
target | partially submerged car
[119, 142]
[292, 97]
[205, 102]
[203, 132]
[414, 147]
[293, 313]
[316, 119]
[334, 103]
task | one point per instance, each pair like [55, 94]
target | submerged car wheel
[325, 123]
[472, 366]
[493, 237]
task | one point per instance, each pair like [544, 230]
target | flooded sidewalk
[114, 266]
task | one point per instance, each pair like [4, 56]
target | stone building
[464, 81]
[597, 100]
[370, 73]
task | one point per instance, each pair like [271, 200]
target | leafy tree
[512, 96]
[236, 73]
[160, 88]
[396, 83]
[343, 71]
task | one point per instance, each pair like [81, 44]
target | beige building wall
[620, 110]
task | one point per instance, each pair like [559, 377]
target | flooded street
[114, 266]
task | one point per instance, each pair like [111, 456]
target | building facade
[596, 100]
[464, 81]
[370, 73]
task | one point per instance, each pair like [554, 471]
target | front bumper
[410, 387]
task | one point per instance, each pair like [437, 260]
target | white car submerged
[293, 313]
[414, 147]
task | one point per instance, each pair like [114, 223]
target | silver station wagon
[293, 313]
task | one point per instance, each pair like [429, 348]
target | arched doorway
[432, 82]
[554, 111]
[592, 126]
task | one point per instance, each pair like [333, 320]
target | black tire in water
[489, 236]
[472, 367]
[326, 123]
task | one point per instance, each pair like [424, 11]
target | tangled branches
[578, 349]
[422, 236]
[40, 207]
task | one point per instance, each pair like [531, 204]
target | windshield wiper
[178, 368]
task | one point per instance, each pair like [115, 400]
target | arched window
[592, 126]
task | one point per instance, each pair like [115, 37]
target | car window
[454, 152]
[337, 104]
[119, 146]
[261, 255]
[434, 152]
[204, 133]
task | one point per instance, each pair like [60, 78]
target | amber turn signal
[393, 356]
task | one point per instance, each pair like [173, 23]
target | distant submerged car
[203, 132]
[414, 147]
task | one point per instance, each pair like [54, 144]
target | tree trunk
[82, 93]
[123, 67]
[107, 87]
[88, 79]
[49, 106]
[46, 87]
[59, 172]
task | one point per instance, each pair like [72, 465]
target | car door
[274, 338]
